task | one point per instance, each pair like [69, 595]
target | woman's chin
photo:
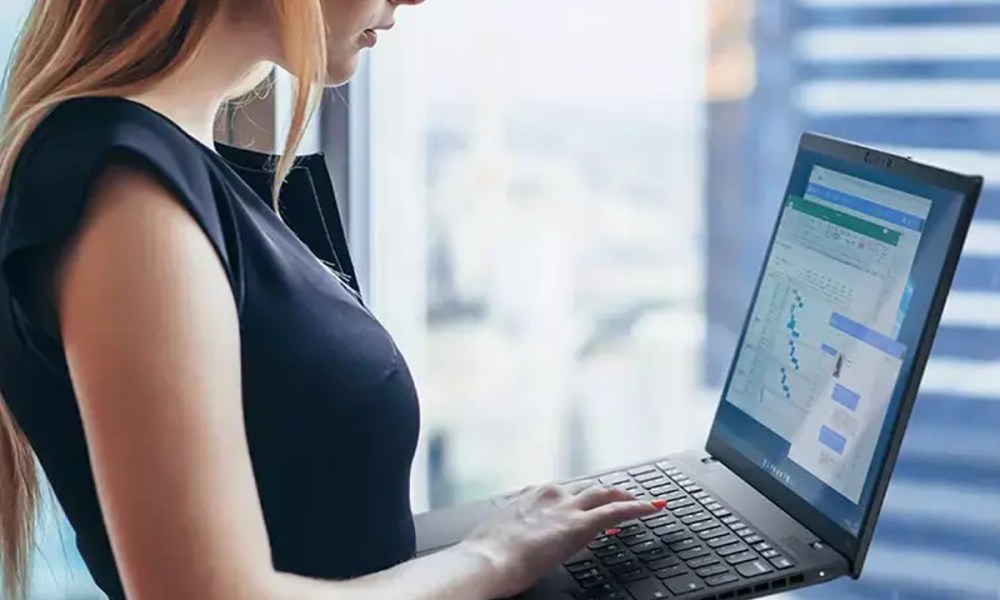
[341, 71]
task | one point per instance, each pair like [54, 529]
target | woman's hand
[544, 526]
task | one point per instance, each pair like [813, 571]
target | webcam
[873, 158]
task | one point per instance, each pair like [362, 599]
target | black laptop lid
[838, 333]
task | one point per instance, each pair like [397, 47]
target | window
[539, 230]
[569, 205]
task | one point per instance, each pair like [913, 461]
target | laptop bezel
[855, 548]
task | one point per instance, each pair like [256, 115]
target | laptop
[788, 488]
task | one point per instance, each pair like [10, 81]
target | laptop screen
[821, 368]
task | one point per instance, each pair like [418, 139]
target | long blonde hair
[80, 48]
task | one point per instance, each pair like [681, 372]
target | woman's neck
[193, 96]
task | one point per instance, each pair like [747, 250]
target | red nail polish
[659, 503]
[611, 532]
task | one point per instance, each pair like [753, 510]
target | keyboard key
[742, 557]
[601, 590]
[707, 499]
[731, 549]
[602, 542]
[669, 496]
[722, 579]
[581, 565]
[629, 565]
[648, 475]
[641, 470]
[684, 584]
[699, 495]
[780, 563]
[736, 525]
[648, 589]
[653, 554]
[608, 550]
[761, 547]
[655, 483]
[615, 595]
[645, 546]
[685, 545]
[672, 571]
[587, 574]
[665, 465]
[663, 563]
[692, 488]
[695, 517]
[635, 540]
[677, 536]
[712, 570]
[704, 525]
[649, 518]
[630, 576]
[592, 582]
[614, 478]
[713, 506]
[703, 562]
[721, 513]
[691, 510]
[770, 553]
[681, 503]
[730, 519]
[745, 532]
[673, 472]
[629, 530]
[582, 555]
[694, 553]
[659, 521]
[754, 568]
[615, 559]
[670, 529]
[660, 490]
[725, 540]
[709, 534]
[754, 539]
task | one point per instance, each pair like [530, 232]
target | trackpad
[442, 528]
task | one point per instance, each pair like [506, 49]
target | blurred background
[559, 208]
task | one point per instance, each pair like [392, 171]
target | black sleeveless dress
[331, 412]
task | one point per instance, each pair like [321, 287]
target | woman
[217, 413]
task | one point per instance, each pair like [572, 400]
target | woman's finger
[613, 513]
[599, 496]
[575, 488]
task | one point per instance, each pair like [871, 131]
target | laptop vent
[777, 584]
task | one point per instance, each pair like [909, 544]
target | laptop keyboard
[692, 546]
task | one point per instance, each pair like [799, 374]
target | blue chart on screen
[820, 358]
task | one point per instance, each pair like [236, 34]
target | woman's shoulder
[70, 145]
[68, 153]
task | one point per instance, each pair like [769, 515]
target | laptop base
[765, 550]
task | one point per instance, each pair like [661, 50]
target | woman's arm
[152, 341]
